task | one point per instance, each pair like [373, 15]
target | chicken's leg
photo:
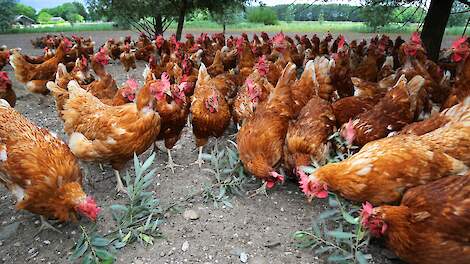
[170, 164]
[119, 185]
[155, 148]
[101, 166]
[199, 160]
[46, 225]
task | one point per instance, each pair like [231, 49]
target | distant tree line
[72, 12]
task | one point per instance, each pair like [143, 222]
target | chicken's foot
[199, 160]
[119, 186]
[170, 164]
[260, 190]
[46, 225]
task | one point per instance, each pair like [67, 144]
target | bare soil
[216, 237]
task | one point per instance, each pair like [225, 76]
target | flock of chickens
[292, 100]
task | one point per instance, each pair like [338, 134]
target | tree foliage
[7, 14]
[44, 17]
[377, 16]
[231, 14]
[21, 9]
[154, 16]
[67, 10]
[262, 14]
[309, 12]
[458, 17]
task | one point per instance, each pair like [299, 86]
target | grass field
[294, 26]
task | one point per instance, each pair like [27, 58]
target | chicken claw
[46, 225]
[119, 186]
[170, 164]
[199, 160]
[260, 190]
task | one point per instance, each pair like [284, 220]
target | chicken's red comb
[132, 84]
[4, 76]
[279, 38]
[189, 36]
[165, 80]
[456, 44]
[366, 212]
[240, 41]
[341, 42]
[67, 42]
[89, 208]
[84, 61]
[415, 38]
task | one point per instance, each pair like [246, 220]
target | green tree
[21, 9]
[229, 15]
[66, 10]
[7, 14]
[321, 17]
[377, 16]
[81, 10]
[459, 16]
[44, 17]
[75, 18]
[153, 17]
[262, 14]
[435, 21]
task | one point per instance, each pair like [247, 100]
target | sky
[39, 4]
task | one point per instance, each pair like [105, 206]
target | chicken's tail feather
[82, 147]
[459, 112]
[202, 76]
[21, 67]
[75, 89]
[4, 103]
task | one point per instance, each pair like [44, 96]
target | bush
[265, 15]
[377, 16]
[44, 17]
[21, 9]
[75, 18]
[7, 14]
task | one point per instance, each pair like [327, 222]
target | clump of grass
[137, 220]
[229, 175]
[93, 248]
[337, 233]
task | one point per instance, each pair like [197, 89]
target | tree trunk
[181, 16]
[224, 28]
[158, 25]
[435, 26]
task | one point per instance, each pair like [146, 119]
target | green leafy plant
[138, 219]
[337, 233]
[229, 175]
[342, 150]
[93, 248]
[262, 14]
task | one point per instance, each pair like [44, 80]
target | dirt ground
[216, 237]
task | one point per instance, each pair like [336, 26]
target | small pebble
[243, 257]
[46, 242]
[185, 246]
[190, 214]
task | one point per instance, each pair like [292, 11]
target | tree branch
[460, 12]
